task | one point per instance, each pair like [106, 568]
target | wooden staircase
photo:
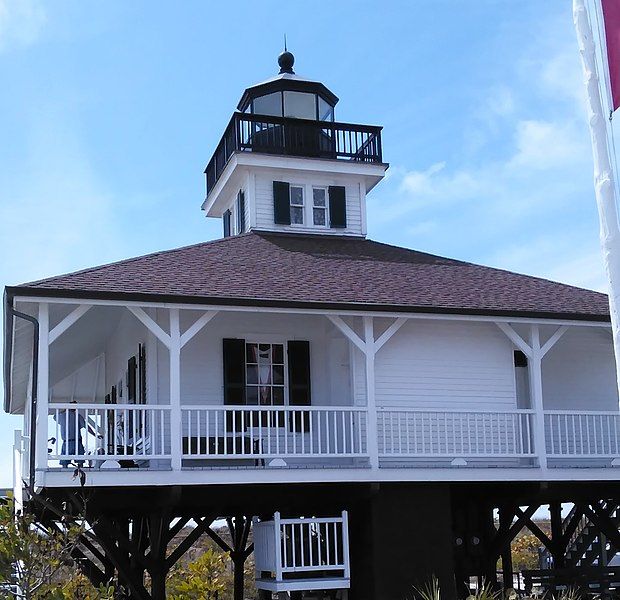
[587, 546]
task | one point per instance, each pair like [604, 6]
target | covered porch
[146, 387]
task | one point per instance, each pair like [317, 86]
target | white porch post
[277, 545]
[18, 456]
[40, 420]
[176, 442]
[372, 434]
[536, 390]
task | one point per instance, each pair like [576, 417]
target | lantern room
[288, 95]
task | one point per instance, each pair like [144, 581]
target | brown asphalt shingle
[269, 268]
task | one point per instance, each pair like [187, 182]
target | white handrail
[416, 433]
[130, 432]
[582, 434]
[98, 432]
[408, 409]
[274, 432]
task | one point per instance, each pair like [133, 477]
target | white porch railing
[80, 432]
[303, 546]
[315, 434]
[273, 432]
[454, 434]
[583, 434]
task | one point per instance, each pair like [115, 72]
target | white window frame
[302, 187]
[258, 340]
[325, 188]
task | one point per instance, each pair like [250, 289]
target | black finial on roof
[286, 60]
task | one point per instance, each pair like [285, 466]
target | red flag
[611, 16]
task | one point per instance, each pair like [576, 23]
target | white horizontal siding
[579, 372]
[202, 366]
[264, 201]
[446, 365]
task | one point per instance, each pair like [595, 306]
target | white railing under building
[584, 434]
[455, 434]
[315, 548]
[140, 435]
[273, 432]
[96, 432]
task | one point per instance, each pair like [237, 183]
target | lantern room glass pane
[271, 105]
[326, 112]
[299, 105]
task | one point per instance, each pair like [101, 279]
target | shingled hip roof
[268, 269]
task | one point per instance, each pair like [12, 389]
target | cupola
[285, 164]
[288, 95]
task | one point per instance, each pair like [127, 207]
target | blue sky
[110, 111]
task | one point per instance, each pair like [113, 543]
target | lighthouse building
[364, 416]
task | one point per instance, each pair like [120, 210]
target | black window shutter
[234, 385]
[226, 220]
[281, 203]
[234, 371]
[337, 207]
[299, 381]
[141, 374]
[132, 367]
[241, 212]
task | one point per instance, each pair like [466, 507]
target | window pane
[271, 104]
[297, 215]
[326, 112]
[264, 355]
[278, 354]
[318, 195]
[251, 396]
[299, 105]
[264, 395]
[278, 396]
[318, 215]
[251, 354]
[252, 374]
[297, 195]
[278, 375]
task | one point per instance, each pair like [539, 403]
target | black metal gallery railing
[294, 137]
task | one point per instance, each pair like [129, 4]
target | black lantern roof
[286, 80]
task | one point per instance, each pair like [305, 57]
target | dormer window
[297, 204]
[319, 206]
[326, 207]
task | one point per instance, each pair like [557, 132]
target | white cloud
[510, 186]
[544, 145]
[21, 22]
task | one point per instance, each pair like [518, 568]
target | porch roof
[271, 269]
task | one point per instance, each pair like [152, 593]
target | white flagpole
[603, 173]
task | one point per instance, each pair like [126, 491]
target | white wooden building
[295, 352]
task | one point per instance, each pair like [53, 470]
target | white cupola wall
[291, 199]
[284, 164]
